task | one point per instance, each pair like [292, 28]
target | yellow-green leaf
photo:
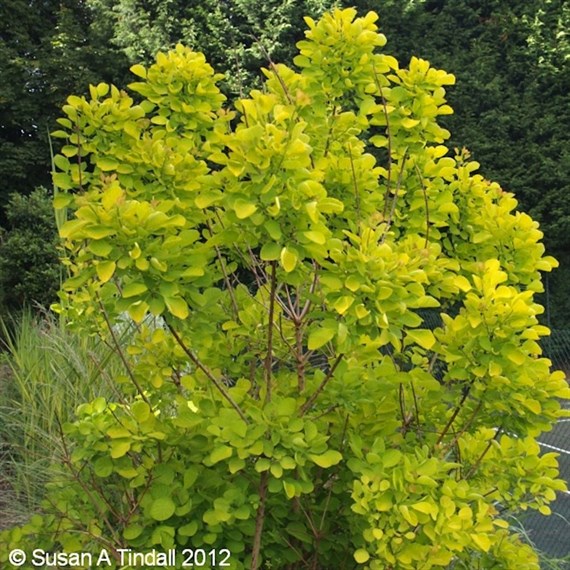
[327, 459]
[101, 248]
[162, 508]
[482, 541]
[105, 270]
[244, 209]
[62, 201]
[361, 556]
[137, 311]
[320, 337]
[107, 163]
[140, 410]
[139, 70]
[462, 283]
[111, 196]
[514, 354]
[316, 237]
[221, 453]
[425, 507]
[408, 123]
[288, 259]
[119, 448]
[177, 306]
[342, 304]
[134, 289]
[289, 489]
[270, 251]
[423, 337]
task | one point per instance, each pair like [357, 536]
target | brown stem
[208, 373]
[309, 403]
[259, 521]
[227, 282]
[84, 487]
[269, 356]
[225, 274]
[467, 424]
[402, 403]
[300, 357]
[274, 69]
[385, 108]
[416, 408]
[334, 474]
[475, 466]
[77, 131]
[356, 193]
[122, 355]
[425, 201]
[453, 416]
[312, 289]
[396, 194]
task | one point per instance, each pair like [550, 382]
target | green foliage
[283, 396]
[30, 271]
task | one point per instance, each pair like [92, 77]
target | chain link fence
[551, 534]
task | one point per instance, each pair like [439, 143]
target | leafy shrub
[284, 398]
[30, 270]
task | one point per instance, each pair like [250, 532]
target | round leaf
[162, 509]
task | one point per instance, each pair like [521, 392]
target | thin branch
[454, 415]
[356, 193]
[269, 356]
[300, 357]
[308, 517]
[274, 69]
[402, 403]
[475, 465]
[222, 262]
[426, 202]
[416, 408]
[327, 411]
[396, 194]
[254, 266]
[67, 461]
[293, 306]
[388, 132]
[331, 478]
[309, 403]
[208, 373]
[78, 132]
[312, 290]
[122, 355]
[259, 521]
[279, 327]
[467, 424]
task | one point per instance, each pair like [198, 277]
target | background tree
[30, 272]
[47, 49]
[237, 37]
